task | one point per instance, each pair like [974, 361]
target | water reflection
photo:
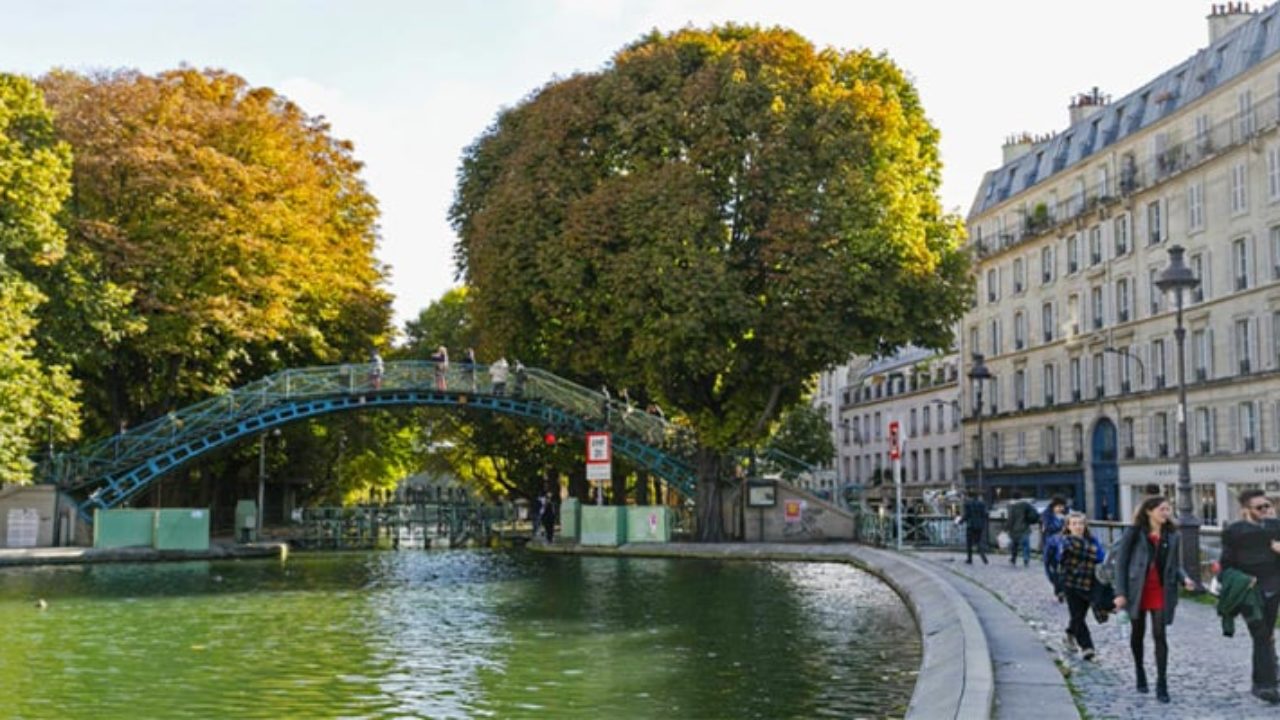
[454, 634]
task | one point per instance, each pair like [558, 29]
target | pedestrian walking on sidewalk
[1147, 576]
[1022, 516]
[1071, 566]
[974, 519]
[1250, 546]
[1052, 523]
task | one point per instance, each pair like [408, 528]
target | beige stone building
[1069, 236]
[919, 389]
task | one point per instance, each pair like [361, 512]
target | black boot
[1142, 680]
[1162, 689]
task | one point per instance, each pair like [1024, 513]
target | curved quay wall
[956, 677]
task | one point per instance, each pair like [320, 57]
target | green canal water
[454, 634]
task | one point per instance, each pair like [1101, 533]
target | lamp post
[1179, 278]
[978, 373]
[1124, 353]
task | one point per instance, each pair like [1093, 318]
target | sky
[412, 83]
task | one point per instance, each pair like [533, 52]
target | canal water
[454, 634]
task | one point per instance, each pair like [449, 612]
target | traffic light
[895, 450]
[549, 436]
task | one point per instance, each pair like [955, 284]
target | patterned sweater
[1072, 562]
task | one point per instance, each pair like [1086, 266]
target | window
[1077, 441]
[1126, 372]
[925, 425]
[1019, 330]
[1155, 231]
[995, 396]
[1275, 343]
[1019, 275]
[1095, 245]
[1050, 383]
[1238, 188]
[993, 284]
[1273, 172]
[1204, 431]
[1245, 117]
[1077, 381]
[1240, 263]
[1195, 206]
[1099, 375]
[879, 427]
[995, 452]
[911, 428]
[928, 464]
[1248, 427]
[1202, 354]
[1073, 254]
[1197, 269]
[1095, 307]
[1051, 445]
[1022, 446]
[1275, 252]
[955, 415]
[1122, 300]
[942, 463]
[1020, 390]
[1157, 297]
[1244, 345]
[1126, 438]
[1046, 321]
[1157, 364]
[1204, 144]
[1047, 264]
[1160, 434]
[1120, 229]
[1104, 181]
[1073, 313]
[974, 345]
[995, 337]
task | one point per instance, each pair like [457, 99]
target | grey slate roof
[905, 357]
[1233, 54]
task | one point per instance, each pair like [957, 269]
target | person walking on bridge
[441, 359]
[1148, 571]
[498, 375]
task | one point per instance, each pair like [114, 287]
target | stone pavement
[1208, 673]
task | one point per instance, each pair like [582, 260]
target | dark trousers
[1020, 543]
[1263, 633]
[975, 536]
[1078, 606]
[1139, 634]
[549, 527]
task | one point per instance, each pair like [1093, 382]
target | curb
[956, 677]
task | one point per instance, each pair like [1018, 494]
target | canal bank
[979, 659]
[11, 557]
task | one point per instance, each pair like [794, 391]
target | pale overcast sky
[411, 83]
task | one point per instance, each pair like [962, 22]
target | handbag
[1003, 541]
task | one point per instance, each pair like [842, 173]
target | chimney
[1223, 18]
[1086, 105]
[1015, 146]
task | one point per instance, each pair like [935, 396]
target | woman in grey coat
[1148, 572]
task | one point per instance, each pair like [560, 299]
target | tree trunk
[618, 489]
[710, 514]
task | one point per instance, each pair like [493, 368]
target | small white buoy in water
[41, 604]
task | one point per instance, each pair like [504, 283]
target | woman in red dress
[1147, 576]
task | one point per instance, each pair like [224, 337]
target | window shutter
[1213, 430]
[1210, 352]
[1254, 359]
[1152, 448]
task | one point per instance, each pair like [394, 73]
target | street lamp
[1179, 278]
[978, 373]
[1124, 353]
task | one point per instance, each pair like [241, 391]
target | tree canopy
[216, 233]
[37, 401]
[713, 218]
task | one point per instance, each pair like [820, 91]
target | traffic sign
[895, 448]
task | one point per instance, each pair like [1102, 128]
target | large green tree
[37, 401]
[225, 234]
[713, 218]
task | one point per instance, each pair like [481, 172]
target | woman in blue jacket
[1071, 561]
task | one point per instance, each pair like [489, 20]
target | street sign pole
[897, 484]
[895, 454]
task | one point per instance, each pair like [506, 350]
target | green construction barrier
[570, 519]
[604, 525]
[123, 528]
[182, 529]
[648, 524]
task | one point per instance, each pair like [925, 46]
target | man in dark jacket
[974, 518]
[1022, 516]
[1250, 545]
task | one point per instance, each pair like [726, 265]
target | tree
[230, 234]
[713, 218]
[804, 433]
[37, 401]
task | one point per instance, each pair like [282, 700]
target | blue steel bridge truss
[110, 471]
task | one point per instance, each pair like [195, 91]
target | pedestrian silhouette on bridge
[441, 359]
[498, 375]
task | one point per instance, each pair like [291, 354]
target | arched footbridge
[110, 471]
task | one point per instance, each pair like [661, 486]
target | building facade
[919, 389]
[1069, 237]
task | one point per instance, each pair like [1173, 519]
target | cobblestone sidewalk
[1208, 673]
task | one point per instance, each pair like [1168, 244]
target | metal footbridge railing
[111, 470]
